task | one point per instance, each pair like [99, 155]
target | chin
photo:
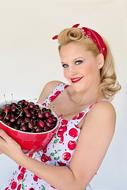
[77, 88]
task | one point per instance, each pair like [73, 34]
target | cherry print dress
[58, 152]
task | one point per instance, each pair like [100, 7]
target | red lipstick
[74, 80]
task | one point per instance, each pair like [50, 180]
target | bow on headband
[94, 36]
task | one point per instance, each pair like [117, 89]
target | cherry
[71, 145]
[40, 115]
[47, 114]
[6, 108]
[23, 127]
[31, 105]
[66, 156]
[40, 123]
[38, 129]
[12, 119]
[27, 116]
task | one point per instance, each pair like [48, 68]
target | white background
[29, 58]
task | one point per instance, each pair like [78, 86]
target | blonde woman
[87, 117]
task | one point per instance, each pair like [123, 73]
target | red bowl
[30, 141]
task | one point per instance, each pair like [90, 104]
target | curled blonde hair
[109, 85]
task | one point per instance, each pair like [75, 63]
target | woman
[87, 117]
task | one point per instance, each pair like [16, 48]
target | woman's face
[81, 67]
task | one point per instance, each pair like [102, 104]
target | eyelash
[78, 61]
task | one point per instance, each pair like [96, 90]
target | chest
[63, 106]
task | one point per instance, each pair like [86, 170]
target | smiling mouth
[74, 80]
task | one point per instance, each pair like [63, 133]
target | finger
[4, 135]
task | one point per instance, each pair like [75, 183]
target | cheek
[65, 73]
[90, 70]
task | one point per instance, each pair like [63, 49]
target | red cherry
[60, 133]
[20, 176]
[12, 119]
[63, 128]
[23, 170]
[40, 115]
[50, 120]
[28, 114]
[73, 132]
[71, 145]
[38, 129]
[49, 124]
[64, 122]
[13, 108]
[61, 139]
[35, 178]
[47, 114]
[45, 158]
[6, 108]
[40, 123]
[19, 187]
[23, 127]
[31, 105]
[13, 185]
[55, 95]
[66, 156]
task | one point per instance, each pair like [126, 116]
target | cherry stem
[5, 98]
[21, 111]
[11, 97]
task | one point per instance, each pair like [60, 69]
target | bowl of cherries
[28, 123]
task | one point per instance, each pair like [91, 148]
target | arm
[93, 143]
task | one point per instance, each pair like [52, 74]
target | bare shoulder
[103, 114]
[47, 89]
[103, 109]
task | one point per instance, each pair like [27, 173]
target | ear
[100, 60]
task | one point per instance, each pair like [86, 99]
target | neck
[85, 98]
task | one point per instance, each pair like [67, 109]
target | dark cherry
[40, 123]
[27, 116]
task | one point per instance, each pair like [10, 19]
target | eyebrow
[75, 59]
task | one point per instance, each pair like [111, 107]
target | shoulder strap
[55, 92]
[84, 112]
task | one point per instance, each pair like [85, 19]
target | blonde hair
[109, 85]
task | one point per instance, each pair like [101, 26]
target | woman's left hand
[9, 147]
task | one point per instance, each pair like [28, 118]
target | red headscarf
[94, 36]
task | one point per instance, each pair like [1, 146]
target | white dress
[58, 152]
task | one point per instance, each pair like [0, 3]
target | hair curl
[109, 85]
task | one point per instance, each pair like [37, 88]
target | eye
[78, 62]
[64, 65]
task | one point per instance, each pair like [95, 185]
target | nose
[72, 71]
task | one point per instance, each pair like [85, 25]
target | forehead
[74, 46]
[73, 50]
